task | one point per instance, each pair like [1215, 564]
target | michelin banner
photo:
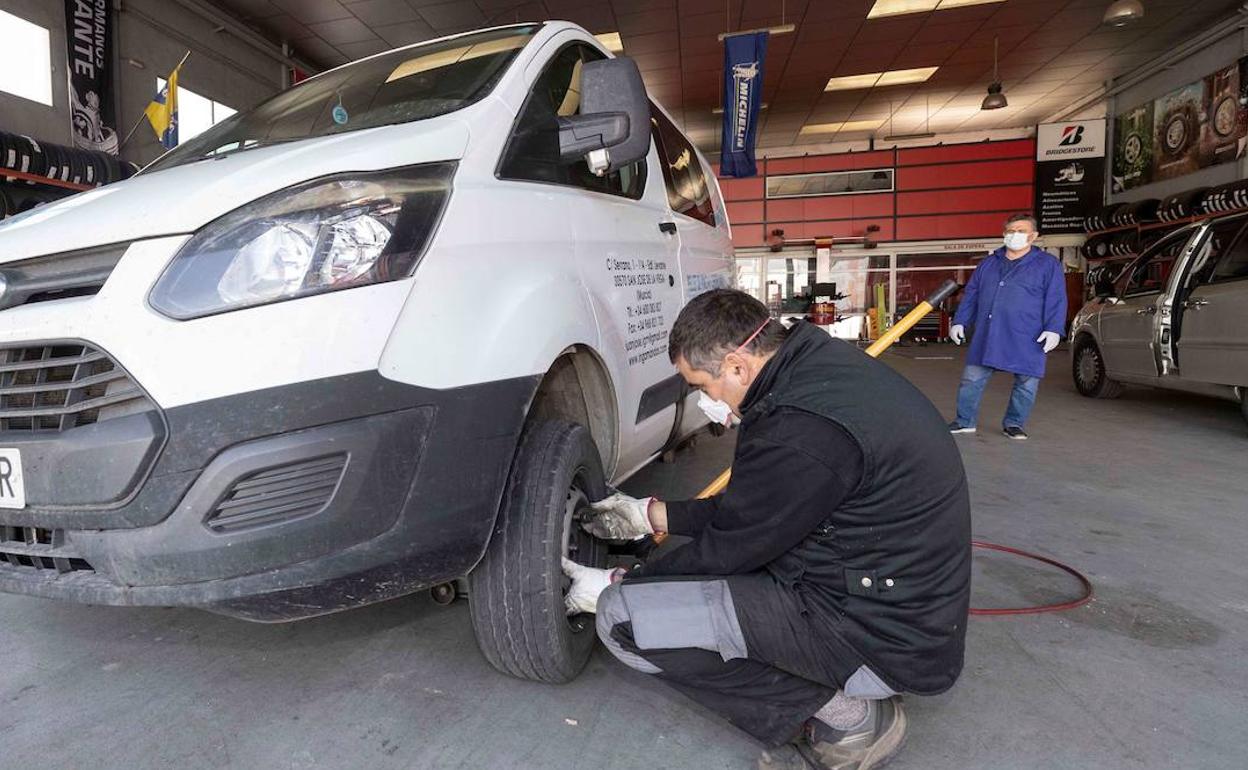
[743, 96]
[89, 49]
[1070, 174]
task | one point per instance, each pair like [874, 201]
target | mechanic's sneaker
[822, 748]
[957, 427]
[1015, 433]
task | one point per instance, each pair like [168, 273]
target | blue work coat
[1009, 304]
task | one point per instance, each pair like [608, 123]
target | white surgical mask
[717, 411]
[1016, 241]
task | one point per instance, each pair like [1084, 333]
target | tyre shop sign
[89, 48]
[1070, 174]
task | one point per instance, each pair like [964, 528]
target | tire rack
[1144, 234]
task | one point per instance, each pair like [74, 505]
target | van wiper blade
[247, 144]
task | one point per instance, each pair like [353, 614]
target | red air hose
[1082, 600]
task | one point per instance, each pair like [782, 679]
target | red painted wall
[949, 191]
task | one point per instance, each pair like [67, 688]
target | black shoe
[1015, 433]
[867, 748]
[957, 427]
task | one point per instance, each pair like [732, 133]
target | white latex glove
[1049, 340]
[620, 517]
[587, 584]
[957, 334]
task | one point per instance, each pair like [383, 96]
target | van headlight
[329, 234]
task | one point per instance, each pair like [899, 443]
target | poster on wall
[89, 49]
[1070, 174]
[1202, 124]
[1133, 148]
[1177, 127]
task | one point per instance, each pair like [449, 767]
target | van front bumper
[273, 505]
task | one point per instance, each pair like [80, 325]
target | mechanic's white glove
[587, 584]
[620, 517]
[1049, 340]
[957, 334]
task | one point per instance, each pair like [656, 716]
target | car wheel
[516, 592]
[1243, 403]
[1091, 379]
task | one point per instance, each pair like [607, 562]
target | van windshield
[409, 84]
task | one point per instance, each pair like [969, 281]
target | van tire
[516, 592]
[1088, 370]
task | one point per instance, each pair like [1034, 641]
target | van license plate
[12, 487]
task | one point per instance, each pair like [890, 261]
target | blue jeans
[971, 390]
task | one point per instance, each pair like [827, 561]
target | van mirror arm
[581, 135]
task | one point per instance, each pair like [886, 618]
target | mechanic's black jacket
[846, 485]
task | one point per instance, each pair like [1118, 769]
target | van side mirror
[1103, 288]
[613, 128]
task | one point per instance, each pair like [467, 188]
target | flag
[162, 113]
[743, 95]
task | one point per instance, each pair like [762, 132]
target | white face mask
[718, 412]
[1016, 241]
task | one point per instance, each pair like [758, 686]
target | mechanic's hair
[715, 324]
[1022, 216]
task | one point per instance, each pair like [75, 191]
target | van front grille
[40, 549]
[58, 386]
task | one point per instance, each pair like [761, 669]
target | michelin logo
[743, 78]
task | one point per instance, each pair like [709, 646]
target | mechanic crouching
[831, 575]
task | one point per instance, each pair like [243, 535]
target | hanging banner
[1070, 174]
[89, 39]
[743, 96]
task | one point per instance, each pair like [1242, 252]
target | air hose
[946, 290]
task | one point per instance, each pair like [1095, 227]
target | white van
[395, 326]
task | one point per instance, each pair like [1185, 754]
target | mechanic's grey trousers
[739, 645]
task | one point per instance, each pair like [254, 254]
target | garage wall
[941, 192]
[156, 34]
[1209, 59]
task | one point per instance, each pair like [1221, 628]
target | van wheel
[1243, 403]
[1091, 379]
[516, 592]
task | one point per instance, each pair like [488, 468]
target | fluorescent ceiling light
[884, 8]
[611, 41]
[902, 77]
[898, 7]
[873, 79]
[840, 127]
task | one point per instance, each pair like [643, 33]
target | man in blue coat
[1016, 301]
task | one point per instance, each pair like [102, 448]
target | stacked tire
[1223, 198]
[1139, 212]
[67, 164]
[1181, 205]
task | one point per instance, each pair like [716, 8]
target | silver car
[1176, 317]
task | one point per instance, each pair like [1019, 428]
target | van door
[1212, 342]
[625, 260]
[698, 214]
[1130, 325]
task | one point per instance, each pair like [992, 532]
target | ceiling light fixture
[883, 8]
[841, 126]
[874, 79]
[1121, 13]
[611, 41]
[995, 100]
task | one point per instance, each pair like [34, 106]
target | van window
[1149, 273]
[687, 190]
[532, 152]
[400, 86]
[1234, 261]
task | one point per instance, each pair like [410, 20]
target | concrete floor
[1146, 494]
